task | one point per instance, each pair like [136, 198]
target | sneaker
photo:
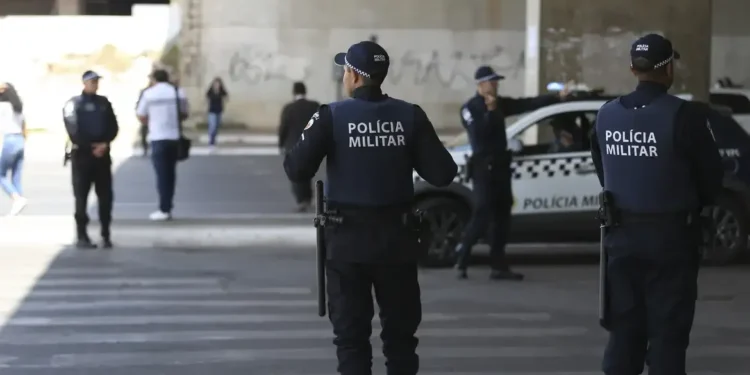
[18, 205]
[160, 216]
[106, 243]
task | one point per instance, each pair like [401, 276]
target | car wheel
[447, 218]
[730, 239]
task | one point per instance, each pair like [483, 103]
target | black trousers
[88, 170]
[491, 217]
[302, 191]
[652, 305]
[351, 310]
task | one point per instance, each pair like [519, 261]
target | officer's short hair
[299, 88]
[160, 75]
[645, 66]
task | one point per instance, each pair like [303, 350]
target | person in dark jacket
[91, 125]
[656, 156]
[483, 117]
[294, 117]
[372, 143]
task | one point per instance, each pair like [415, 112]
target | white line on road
[124, 304]
[162, 292]
[125, 281]
[184, 358]
[299, 334]
[238, 319]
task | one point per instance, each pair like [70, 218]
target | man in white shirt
[158, 110]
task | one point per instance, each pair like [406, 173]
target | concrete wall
[588, 41]
[259, 47]
[730, 52]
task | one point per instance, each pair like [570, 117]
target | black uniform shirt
[430, 158]
[693, 135]
[89, 118]
[294, 117]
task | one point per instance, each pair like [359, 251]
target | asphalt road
[168, 311]
[195, 308]
[208, 186]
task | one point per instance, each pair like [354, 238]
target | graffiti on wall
[453, 69]
[254, 65]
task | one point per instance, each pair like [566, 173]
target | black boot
[84, 242]
[505, 274]
[106, 239]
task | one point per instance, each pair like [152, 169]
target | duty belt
[631, 217]
[336, 217]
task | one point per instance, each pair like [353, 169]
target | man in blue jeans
[160, 111]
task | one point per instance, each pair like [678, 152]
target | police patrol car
[556, 193]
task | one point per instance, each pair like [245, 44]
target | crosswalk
[104, 318]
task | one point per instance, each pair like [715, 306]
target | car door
[555, 187]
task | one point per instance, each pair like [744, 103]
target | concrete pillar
[69, 7]
[589, 41]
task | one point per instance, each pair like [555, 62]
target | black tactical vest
[370, 163]
[92, 117]
[642, 167]
[487, 143]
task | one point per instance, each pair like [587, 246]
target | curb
[160, 235]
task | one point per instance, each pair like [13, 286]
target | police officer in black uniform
[655, 154]
[371, 143]
[483, 117]
[91, 125]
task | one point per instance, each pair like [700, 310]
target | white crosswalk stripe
[96, 319]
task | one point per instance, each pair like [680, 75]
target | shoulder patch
[314, 118]
[466, 115]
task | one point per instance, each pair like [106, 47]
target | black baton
[321, 246]
[603, 283]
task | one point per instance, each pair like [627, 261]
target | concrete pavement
[169, 311]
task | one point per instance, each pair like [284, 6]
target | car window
[562, 132]
[738, 103]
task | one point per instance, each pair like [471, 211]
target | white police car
[556, 193]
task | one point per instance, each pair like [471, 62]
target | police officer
[371, 143]
[655, 154]
[91, 125]
[483, 117]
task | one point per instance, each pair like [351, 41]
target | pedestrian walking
[294, 118]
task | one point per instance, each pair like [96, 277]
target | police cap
[651, 52]
[367, 59]
[90, 75]
[486, 73]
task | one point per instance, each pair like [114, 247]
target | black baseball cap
[486, 73]
[89, 75]
[655, 49]
[366, 58]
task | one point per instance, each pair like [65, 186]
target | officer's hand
[567, 89]
[100, 149]
[490, 100]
